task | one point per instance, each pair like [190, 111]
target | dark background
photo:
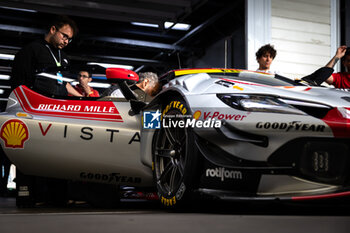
[216, 38]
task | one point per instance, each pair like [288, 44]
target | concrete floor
[137, 216]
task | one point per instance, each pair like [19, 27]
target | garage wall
[301, 31]
[258, 28]
[214, 57]
[306, 33]
[229, 52]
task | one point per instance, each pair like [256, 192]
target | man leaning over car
[341, 79]
[145, 89]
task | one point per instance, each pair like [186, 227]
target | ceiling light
[4, 56]
[18, 9]
[177, 26]
[106, 65]
[145, 24]
[4, 77]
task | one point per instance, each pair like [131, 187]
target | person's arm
[71, 90]
[338, 55]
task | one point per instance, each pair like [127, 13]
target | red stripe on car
[323, 196]
[37, 104]
[338, 122]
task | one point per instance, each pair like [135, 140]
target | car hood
[202, 83]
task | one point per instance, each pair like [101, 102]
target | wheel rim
[170, 159]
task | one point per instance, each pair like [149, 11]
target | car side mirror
[117, 75]
[121, 76]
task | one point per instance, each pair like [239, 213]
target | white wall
[301, 33]
[258, 28]
[305, 34]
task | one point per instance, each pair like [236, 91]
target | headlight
[258, 103]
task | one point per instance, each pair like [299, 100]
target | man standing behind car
[42, 54]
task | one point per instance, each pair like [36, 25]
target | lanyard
[58, 63]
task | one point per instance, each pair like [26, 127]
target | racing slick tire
[175, 158]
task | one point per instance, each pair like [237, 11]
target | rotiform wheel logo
[224, 174]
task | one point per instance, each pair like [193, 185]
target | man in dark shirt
[43, 54]
[37, 56]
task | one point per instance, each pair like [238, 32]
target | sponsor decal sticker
[238, 88]
[76, 108]
[172, 200]
[197, 114]
[151, 120]
[34, 103]
[14, 133]
[218, 115]
[112, 177]
[44, 132]
[87, 133]
[177, 105]
[222, 173]
[186, 122]
[294, 125]
[225, 83]
[168, 201]
[155, 120]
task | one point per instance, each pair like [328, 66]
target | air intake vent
[347, 98]
[313, 109]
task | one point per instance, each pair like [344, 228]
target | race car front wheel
[175, 156]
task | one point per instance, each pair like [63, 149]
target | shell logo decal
[197, 114]
[14, 133]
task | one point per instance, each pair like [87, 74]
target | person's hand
[341, 51]
[85, 85]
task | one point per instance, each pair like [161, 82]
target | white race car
[224, 133]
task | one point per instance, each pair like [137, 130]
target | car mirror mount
[136, 106]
